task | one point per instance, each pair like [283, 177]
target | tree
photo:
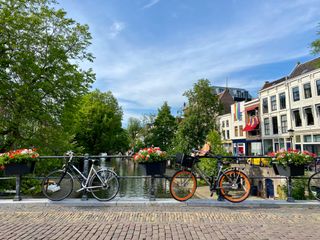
[164, 128]
[40, 76]
[315, 45]
[199, 117]
[98, 124]
[134, 129]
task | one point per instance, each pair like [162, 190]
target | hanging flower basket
[18, 162]
[155, 168]
[291, 162]
[153, 159]
[289, 171]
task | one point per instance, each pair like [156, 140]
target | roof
[302, 68]
[269, 84]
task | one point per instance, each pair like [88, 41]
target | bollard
[290, 198]
[17, 197]
[85, 173]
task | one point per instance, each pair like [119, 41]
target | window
[307, 138]
[307, 90]
[295, 94]
[227, 123]
[318, 109]
[309, 116]
[298, 139]
[297, 118]
[284, 124]
[318, 87]
[275, 125]
[228, 134]
[273, 103]
[266, 126]
[316, 138]
[282, 100]
[223, 124]
[241, 131]
[236, 131]
[265, 105]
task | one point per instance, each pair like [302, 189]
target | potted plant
[290, 162]
[18, 162]
[153, 159]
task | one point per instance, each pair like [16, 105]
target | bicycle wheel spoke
[234, 186]
[183, 185]
[104, 185]
[57, 185]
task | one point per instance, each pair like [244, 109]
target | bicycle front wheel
[314, 185]
[58, 185]
[234, 186]
[183, 185]
[104, 185]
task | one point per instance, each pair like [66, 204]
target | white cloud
[116, 28]
[150, 4]
[142, 78]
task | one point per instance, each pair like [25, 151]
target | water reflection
[137, 187]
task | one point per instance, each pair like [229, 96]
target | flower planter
[289, 171]
[19, 168]
[155, 168]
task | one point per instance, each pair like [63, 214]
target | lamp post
[291, 134]
[290, 198]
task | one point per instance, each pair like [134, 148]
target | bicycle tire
[54, 190]
[104, 185]
[314, 185]
[232, 191]
[183, 185]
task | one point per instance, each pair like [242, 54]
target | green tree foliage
[199, 117]
[164, 128]
[40, 76]
[98, 124]
[315, 45]
[209, 165]
[134, 128]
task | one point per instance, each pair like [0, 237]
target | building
[290, 110]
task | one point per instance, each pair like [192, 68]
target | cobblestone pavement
[157, 222]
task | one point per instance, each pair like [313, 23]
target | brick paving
[157, 222]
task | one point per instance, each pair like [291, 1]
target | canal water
[134, 182]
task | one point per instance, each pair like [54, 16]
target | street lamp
[291, 133]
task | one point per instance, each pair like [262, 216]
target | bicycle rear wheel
[314, 185]
[58, 185]
[234, 186]
[183, 185]
[104, 185]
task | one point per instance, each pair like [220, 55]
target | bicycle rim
[183, 185]
[104, 185]
[55, 188]
[314, 185]
[234, 186]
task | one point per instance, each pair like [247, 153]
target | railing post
[152, 190]
[290, 198]
[103, 160]
[85, 173]
[220, 198]
[17, 197]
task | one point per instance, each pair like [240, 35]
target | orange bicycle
[233, 184]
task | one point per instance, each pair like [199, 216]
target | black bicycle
[102, 183]
[233, 184]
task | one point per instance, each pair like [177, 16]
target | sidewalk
[165, 202]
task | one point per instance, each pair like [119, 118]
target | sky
[151, 51]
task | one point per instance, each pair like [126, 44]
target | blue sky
[151, 51]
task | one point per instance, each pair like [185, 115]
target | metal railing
[257, 162]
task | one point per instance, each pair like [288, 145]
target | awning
[250, 108]
[252, 124]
